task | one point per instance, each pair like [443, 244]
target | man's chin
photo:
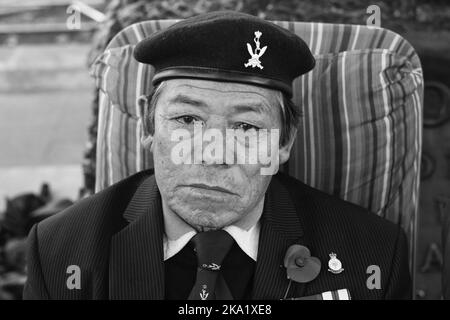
[206, 220]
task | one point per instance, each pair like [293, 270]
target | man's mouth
[207, 187]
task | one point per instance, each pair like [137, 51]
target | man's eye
[245, 126]
[186, 119]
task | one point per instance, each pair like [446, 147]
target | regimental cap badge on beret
[254, 60]
[227, 46]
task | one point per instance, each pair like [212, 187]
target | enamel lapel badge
[334, 264]
[254, 56]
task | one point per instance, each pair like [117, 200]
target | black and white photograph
[234, 150]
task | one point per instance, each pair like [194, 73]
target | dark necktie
[211, 248]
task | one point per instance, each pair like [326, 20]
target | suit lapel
[280, 228]
[136, 268]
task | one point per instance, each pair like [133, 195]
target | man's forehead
[208, 89]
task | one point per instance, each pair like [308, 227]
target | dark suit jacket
[119, 259]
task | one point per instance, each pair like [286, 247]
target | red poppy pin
[301, 267]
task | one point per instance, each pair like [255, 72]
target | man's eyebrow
[251, 107]
[184, 99]
[257, 107]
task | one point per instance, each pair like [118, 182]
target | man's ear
[285, 151]
[146, 137]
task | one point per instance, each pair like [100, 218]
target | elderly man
[216, 225]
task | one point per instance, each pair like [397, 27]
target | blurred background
[48, 107]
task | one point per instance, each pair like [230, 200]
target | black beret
[227, 46]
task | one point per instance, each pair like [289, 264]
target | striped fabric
[360, 137]
[341, 294]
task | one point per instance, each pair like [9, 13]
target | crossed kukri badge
[254, 60]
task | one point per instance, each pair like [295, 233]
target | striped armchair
[360, 136]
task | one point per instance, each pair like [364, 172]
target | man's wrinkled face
[211, 196]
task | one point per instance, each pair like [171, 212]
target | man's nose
[214, 144]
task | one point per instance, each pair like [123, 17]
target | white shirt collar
[247, 240]
[178, 233]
